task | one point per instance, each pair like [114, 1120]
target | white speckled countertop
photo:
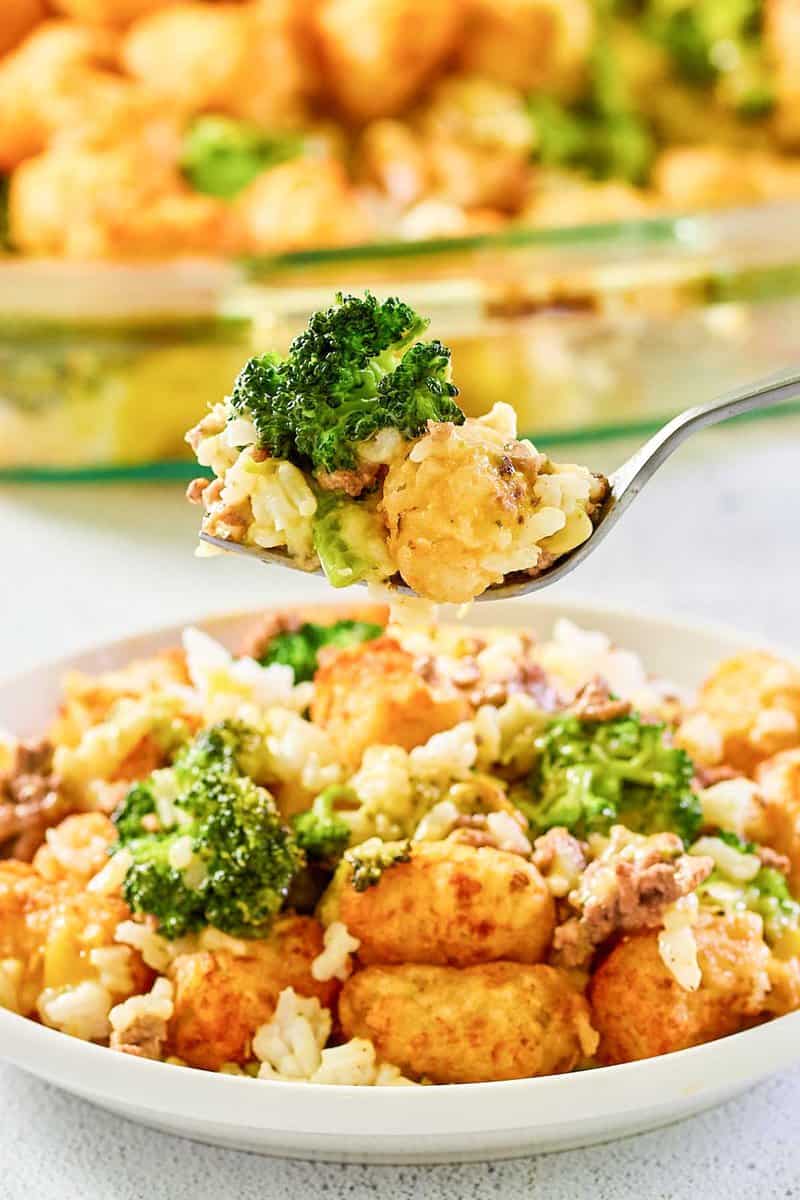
[716, 536]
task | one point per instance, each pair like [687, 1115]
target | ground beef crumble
[628, 887]
[30, 800]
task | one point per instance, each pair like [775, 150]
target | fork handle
[634, 474]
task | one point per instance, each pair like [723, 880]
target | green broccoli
[299, 648]
[369, 860]
[208, 844]
[319, 831]
[766, 893]
[601, 134]
[221, 155]
[351, 373]
[590, 775]
[716, 40]
[769, 896]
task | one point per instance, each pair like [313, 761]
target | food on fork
[352, 454]
[524, 875]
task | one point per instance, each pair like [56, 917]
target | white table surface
[716, 536]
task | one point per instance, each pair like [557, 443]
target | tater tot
[371, 695]
[221, 999]
[190, 52]
[242, 59]
[18, 17]
[530, 44]
[472, 1024]
[752, 701]
[712, 176]
[640, 1010]
[779, 780]
[298, 205]
[121, 201]
[377, 54]
[44, 74]
[452, 904]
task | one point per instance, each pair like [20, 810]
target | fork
[625, 483]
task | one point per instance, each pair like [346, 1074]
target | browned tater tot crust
[452, 904]
[469, 1025]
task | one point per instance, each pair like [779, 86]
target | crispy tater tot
[452, 904]
[713, 176]
[472, 1024]
[371, 695]
[752, 702]
[38, 79]
[242, 59]
[779, 780]
[298, 205]
[121, 200]
[640, 1010]
[222, 998]
[530, 44]
[377, 54]
[18, 17]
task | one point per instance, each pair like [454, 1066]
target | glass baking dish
[592, 331]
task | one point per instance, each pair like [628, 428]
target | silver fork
[625, 483]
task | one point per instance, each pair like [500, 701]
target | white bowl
[430, 1124]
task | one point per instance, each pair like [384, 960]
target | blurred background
[596, 201]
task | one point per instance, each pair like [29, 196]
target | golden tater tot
[472, 1024]
[242, 59]
[479, 138]
[452, 904]
[107, 12]
[371, 695]
[640, 1010]
[530, 44]
[752, 706]
[222, 998]
[190, 53]
[38, 79]
[298, 205]
[377, 54]
[18, 17]
[76, 849]
[687, 177]
[779, 780]
[120, 200]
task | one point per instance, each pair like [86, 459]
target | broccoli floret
[601, 134]
[369, 860]
[319, 831]
[235, 860]
[590, 775]
[716, 40]
[351, 373]
[769, 896]
[221, 155]
[299, 648]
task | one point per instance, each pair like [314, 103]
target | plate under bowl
[404, 1125]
